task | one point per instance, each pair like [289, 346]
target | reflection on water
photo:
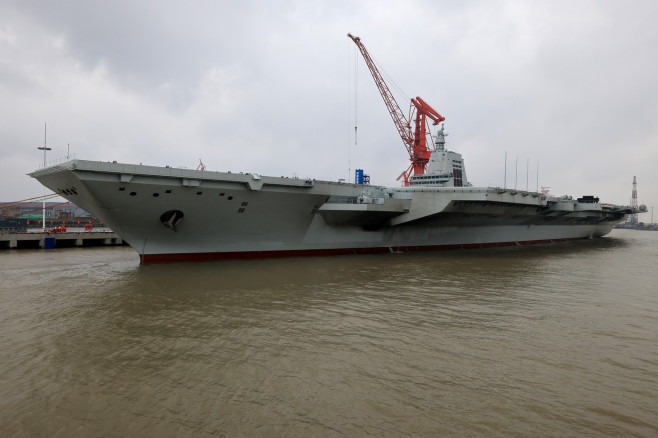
[549, 340]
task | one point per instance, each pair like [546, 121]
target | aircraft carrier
[172, 214]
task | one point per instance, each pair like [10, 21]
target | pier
[51, 240]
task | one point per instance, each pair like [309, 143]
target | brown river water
[551, 340]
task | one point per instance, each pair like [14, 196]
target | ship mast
[414, 140]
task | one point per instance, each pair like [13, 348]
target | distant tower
[633, 220]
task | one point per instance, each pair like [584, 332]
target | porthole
[155, 195]
[229, 198]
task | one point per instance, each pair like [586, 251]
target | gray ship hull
[169, 214]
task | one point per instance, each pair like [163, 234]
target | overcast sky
[272, 88]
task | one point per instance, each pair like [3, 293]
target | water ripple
[557, 340]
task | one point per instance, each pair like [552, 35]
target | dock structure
[50, 240]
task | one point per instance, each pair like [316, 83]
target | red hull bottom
[248, 255]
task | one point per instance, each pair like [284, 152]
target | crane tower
[415, 140]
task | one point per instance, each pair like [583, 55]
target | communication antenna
[505, 182]
[537, 189]
[527, 167]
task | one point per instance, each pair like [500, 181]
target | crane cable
[40, 198]
[356, 94]
[24, 213]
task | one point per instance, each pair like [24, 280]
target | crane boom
[401, 123]
[415, 141]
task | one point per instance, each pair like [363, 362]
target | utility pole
[44, 149]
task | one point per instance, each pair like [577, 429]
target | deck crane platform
[414, 140]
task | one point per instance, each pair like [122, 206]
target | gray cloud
[269, 88]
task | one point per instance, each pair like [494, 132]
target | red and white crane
[414, 140]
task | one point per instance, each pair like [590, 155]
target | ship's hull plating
[228, 216]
